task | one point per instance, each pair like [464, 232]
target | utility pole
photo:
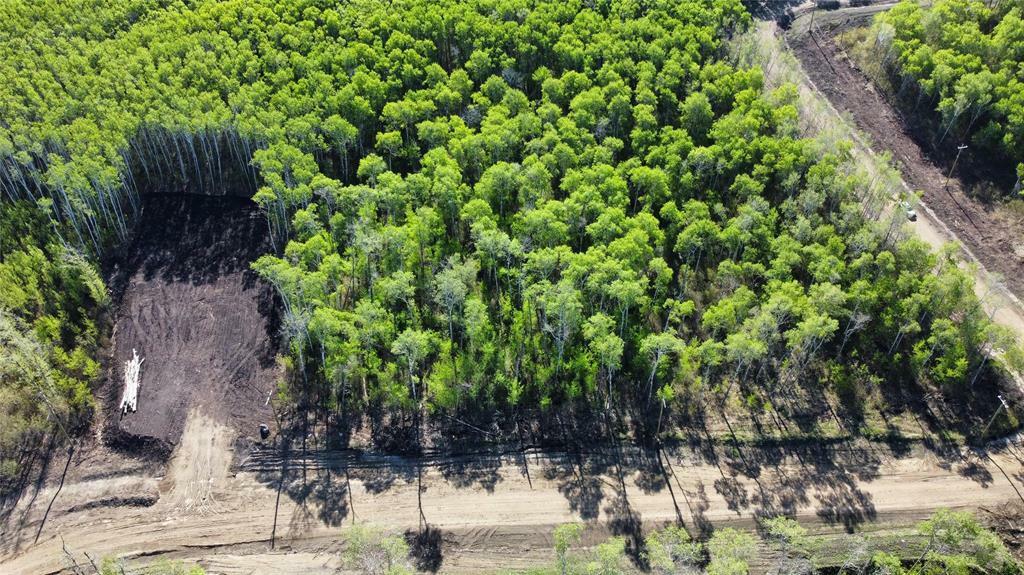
[959, 150]
[1002, 406]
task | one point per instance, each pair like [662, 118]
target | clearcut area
[199, 317]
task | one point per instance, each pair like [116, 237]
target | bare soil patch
[487, 513]
[989, 232]
[201, 463]
[201, 319]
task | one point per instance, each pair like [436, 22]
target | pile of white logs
[131, 383]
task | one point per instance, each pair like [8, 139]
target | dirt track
[989, 236]
[484, 512]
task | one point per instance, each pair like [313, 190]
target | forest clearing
[522, 287]
[198, 315]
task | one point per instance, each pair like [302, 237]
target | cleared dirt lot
[200, 318]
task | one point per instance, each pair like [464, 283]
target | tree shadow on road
[770, 479]
[33, 462]
[579, 482]
[482, 470]
[762, 478]
[319, 484]
[426, 547]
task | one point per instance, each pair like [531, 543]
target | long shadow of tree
[34, 462]
[595, 474]
[426, 547]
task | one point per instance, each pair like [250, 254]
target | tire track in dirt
[225, 521]
[199, 468]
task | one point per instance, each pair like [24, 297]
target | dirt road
[988, 237]
[279, 515]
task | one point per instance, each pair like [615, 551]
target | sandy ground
[483, 513]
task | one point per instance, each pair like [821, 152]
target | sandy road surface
[490, 513]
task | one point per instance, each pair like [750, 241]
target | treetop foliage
[966, 57]
[495, 204]
[50, 297]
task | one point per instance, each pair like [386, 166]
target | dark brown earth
[1008, 521]
[995, 237]
[199, 316]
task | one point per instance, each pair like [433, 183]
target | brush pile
[132, 369]
[1007, 521]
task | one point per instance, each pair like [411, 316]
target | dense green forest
[50, 297]
[493, 206]
[962, 59]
